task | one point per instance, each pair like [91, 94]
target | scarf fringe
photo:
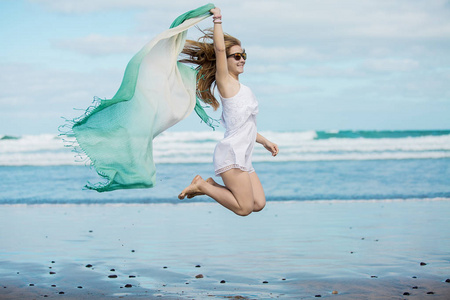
[69, 139]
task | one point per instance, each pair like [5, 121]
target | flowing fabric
[156, 92]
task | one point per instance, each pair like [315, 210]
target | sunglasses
[237, 56]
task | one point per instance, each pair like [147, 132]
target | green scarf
[156, 92]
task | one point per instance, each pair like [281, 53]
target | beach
[369, 249]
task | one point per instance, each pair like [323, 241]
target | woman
[221, 63]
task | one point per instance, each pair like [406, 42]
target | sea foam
[198, 147]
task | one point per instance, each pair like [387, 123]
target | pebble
[373, 276]
[318, 296]
[80, 287]
[423, 264]
[112, 276]
[53, 261]
[113, 270]
[406, 294]
[61, 293]
[283, 278]
[415, 287]
[448, 280]
[133, 251]
[414, 277]
[88, 266]
[222, 281]
[53, 285]
[31, 284]
[199, 276]
[265, 281]
[430, 293]
[164, 267]
[132, 276]
[335, 292]
[52, 273]
[197, 266]
[128, 285]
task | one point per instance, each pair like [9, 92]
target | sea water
[311, 165]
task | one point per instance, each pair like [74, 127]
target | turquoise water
[298, 181]
[312, 165]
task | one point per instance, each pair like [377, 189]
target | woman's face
[235, 66]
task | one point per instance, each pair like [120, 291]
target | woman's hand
[215, 11]
[271, 147]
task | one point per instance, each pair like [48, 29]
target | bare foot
[210, 181]
[192, 190]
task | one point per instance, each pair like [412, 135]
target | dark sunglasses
[237, 56]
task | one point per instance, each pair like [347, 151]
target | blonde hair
[202, 54]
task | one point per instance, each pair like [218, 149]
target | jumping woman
[220, 63]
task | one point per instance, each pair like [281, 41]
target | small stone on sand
[447, 280]
[52, 273]
[112, 276]
[128, 285]
[199, 276]
[373, 276]
[423, 264]
[222, 281]
[80, 287]
[197, 266]
[61, 293]
[335, 292]
[265, 281]
[132, 276]
[31, 284]
[318, 296]
[415, 287]
[430, 293]
[113, 270]
[88, 266]
[406, 294]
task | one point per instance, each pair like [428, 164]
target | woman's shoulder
[230, 90]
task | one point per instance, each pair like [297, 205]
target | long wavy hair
[202, 54]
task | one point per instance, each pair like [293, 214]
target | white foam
[198, 147]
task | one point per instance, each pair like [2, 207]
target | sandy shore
[290, 250]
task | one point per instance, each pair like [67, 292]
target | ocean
[311, 166]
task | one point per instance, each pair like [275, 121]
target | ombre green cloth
[156, 92]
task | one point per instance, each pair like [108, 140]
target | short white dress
[239, 119]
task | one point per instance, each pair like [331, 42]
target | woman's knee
[245, 209]
[259, 205]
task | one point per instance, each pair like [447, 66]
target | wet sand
[290, 250]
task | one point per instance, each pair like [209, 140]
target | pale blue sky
[313, 65]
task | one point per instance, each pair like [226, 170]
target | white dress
[239, 119]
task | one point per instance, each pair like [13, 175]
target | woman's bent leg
[258, 192]
[237, 195]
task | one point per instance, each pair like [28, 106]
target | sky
[313, 65]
